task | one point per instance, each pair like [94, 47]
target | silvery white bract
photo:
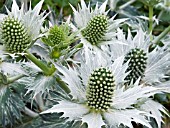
[113, 4]
[39, 85]
[20, 28]
[94, 27]
[99, 97]
[150, 66]
[11, 68]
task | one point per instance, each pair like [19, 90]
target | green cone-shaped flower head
[95, 29]
[59, 38]
[14, 34]
[137, 64]
[56, 35]
[100, 89]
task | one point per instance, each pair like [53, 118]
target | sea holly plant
[92, 69]
[94, 26]
[149, 65]
[99, 99]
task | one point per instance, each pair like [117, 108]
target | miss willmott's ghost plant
[99, 97]
[150, 66]
[94, 25]
[83, 87]
[19, 29]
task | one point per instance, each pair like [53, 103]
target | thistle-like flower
[94, 25]
[20, 29]
[99, 98]
[58, 38]
[150, 66]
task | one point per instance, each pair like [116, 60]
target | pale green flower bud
[56, 36]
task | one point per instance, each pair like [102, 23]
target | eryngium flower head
[99, 97]
[100, 89]
[20, 28]
[137, 63]
[14, 34]
[94, 26]
[58, 36]
[59, 39]
[95, 29]
[150, 66]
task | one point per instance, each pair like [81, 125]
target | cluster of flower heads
[116, 77]
[113, 86]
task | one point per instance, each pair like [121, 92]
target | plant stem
[14, 78]
[163, 34]
[47, 70]
[30, 113]
[150, 19]
[62, 85]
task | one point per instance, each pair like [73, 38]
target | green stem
[163, 34]
[14, 78]
[62, 85]
[150, 19]
[47, 70]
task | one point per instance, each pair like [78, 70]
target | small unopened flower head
[137, 63]
[95, 29]
[59, 38]
[56, 35]
[100, 89]
[15, 35]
